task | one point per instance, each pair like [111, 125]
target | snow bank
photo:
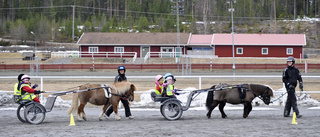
[146, 101]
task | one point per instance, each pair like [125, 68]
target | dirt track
[193, 123]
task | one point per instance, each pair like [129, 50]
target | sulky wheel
[171, 110]
[35, 113]
[20, 113]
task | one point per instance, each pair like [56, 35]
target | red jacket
[28, 89]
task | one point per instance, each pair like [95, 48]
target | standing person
[159, 82]
[290, 77]
[119, 78]
[26, 91]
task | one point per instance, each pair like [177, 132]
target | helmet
[25, 77]
[121, 68]
[158, 77]
[167, 75]
[19, 77]
[291, 59]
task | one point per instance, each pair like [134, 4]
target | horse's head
[265, 92]
[130, 92]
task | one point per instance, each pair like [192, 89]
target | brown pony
[225, 93]
[96, 95]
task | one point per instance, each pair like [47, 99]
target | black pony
[225, 93]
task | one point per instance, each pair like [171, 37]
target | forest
[60, 20]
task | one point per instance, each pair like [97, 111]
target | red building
[259, 45]
[140, 43]
[214, 45]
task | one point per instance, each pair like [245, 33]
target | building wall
[255, 51]
[111, 49]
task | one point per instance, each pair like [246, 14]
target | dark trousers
[291, 102]
[125, 105]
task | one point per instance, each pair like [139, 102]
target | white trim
[212, 39]
[189, 38]
[80, 38]
[241, 50]
[94, 50]
[291, 50]
[264, 53]
[115, 51]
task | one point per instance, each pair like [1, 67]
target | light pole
[232, 33]
[35, 51]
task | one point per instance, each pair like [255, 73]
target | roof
[200, 39]
[132, 39]
[260, 39]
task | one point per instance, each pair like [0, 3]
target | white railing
[75, 54]
[162, 55]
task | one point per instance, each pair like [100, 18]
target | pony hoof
[225, 116]
[85, 119]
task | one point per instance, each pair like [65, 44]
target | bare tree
[19, 32]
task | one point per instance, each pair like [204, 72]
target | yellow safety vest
[26, 96]
[170, 89]
[157, 91]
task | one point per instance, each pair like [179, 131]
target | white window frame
[116, 49]
[288, 51]
[241, 50]
[266, 53]
[93, 49]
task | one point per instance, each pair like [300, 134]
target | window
[93, 50]
[264, 51]
[239, 50]
[118, 49]
[289, 51]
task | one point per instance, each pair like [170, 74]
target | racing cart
[171, 108]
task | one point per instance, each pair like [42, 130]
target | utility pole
[294, 17]
[73, 10]
[232, 33]
[176, 10]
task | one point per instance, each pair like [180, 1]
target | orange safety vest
[157, 91]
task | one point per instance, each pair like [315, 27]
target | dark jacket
[120, 77]
[290, 76]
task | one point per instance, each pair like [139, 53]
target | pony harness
[107, 90]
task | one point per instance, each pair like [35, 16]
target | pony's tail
[74, 105]
[209, 100]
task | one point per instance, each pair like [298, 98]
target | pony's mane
[121, 87]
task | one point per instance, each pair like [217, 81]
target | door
[145, 50]
[178, 51]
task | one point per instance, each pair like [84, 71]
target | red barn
[140, 43]
[259, 45]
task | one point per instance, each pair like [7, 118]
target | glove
[301, 85]
[175, 92]
[291, 86]
[34, 86]
[37, 92]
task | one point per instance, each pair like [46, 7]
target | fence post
[200, 82]
[41, 83]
